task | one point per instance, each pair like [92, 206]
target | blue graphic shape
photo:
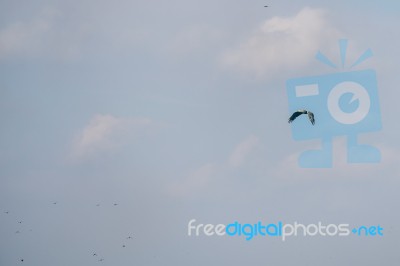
[367, 54]
[322, 58]
[326, 97]
[343, 50]
[348, 103]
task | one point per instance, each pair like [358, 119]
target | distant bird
[20, 222]
[101, 259]
[265, 6]
[22, 260]
[129, 237]
[6, 212]
[300, 112]
[98, 204]
[17, 232]
[94, 254]
[115, 204]
[123, 246]
[55, 202]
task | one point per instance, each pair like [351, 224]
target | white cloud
[65, 31]
[209, 173]
[23, 37]
[242, 150]
[51, 32]
[96, 135]
[103, 133]
[196, 181]
[282, 43]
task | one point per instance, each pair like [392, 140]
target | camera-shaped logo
[344, 103]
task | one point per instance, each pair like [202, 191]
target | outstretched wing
[294, 115]
[311, 117]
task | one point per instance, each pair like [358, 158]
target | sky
[122, 121]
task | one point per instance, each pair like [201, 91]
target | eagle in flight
[300, 112]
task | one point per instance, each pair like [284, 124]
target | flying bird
[300, 112]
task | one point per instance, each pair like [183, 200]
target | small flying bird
[22, 260]
[6, 212]
[98, 204]
[55, 202]
[101, 259]
[300, 112]
[94, 254]
[115, 204]
[20, 222]
[123, 246]
[265, 6]
[129, 237]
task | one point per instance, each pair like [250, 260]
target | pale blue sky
[178, 110]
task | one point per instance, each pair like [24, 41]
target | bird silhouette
[300, 112]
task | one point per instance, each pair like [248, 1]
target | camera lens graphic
[359, 93]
